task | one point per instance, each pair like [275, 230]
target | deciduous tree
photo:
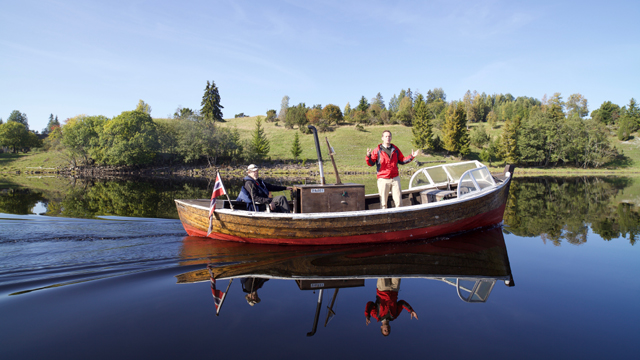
[297, 115]
[129, 139]
[271, 116]
[143, 107]
[577, 106]
[405, 111]
[479, 137]
[14, 135]
[284, 107]
[81, 138]
[332, 113]
[21, 118]
[314, 115]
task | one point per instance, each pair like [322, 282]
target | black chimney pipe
[315, 137]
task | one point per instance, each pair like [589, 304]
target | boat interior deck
[410, 197]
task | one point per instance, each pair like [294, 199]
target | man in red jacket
[387, 157]
[387, 307]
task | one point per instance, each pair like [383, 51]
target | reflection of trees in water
[558, 209]
[87, 198]
[19, 201]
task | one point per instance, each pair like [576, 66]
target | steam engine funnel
[315, 138]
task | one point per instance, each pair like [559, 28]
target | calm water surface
[109, 273]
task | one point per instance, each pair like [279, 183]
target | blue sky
[101, 57]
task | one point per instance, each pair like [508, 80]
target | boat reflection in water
[471, 262]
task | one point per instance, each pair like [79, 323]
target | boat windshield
[475, 180]
[439, 175]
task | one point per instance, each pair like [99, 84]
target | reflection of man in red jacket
[387, 307]
[386, 157]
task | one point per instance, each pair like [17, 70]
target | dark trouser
[280, 204]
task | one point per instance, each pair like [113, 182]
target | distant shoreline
[280, 169]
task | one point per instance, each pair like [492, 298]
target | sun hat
[252, 167]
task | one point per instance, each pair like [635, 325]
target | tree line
[545, 132]
[135, 138]
[534, 132]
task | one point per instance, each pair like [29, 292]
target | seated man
[256, 191]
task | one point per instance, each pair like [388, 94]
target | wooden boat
[440, 200]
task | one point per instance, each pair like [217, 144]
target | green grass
[43, 161]
[349, 144]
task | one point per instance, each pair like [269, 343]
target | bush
[479, 136]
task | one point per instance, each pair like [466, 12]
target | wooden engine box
[316, 198]
[436, 195]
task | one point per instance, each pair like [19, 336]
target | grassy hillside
[349, 144]
[33, 161]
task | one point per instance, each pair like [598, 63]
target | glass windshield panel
[419, 180]
[483, 178]
[483, 290]
[466, 185]
[438, 175]
[457, 170]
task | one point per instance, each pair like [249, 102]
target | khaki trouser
[383, 190]
[388, 284]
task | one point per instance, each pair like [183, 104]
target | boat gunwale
[358, 277]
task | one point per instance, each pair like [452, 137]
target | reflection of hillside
[560, 209]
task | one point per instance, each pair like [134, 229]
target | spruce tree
[259, 143]
[455, 133]
[509, 142]
[211, 108]
[363, 105]
[296, 149]
[422, 131]
[236, 153]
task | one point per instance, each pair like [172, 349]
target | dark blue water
[108, 288]
[111, 287]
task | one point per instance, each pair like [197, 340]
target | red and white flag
[218, 190]
[218, 295]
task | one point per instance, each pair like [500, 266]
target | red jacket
[386, 306]
[387, 167]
